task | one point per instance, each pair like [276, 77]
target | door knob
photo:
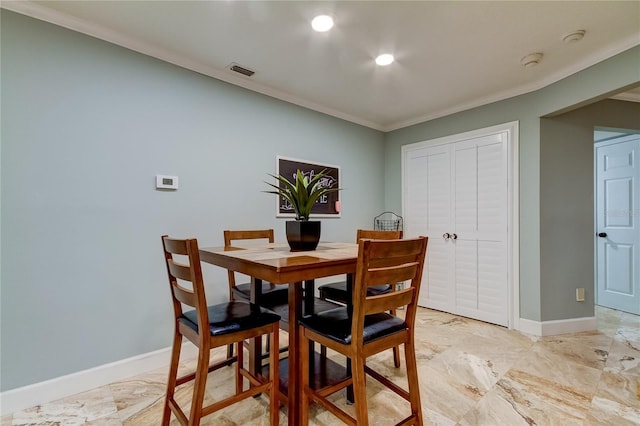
[454, 236]
[446, 235]
[602, 235]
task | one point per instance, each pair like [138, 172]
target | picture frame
[326, 206]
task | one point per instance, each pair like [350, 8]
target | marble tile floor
[471, 373]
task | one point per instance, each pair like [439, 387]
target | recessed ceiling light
[384, 59]
[322, 23]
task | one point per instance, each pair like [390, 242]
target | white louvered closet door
[479, 242]
[457, 195]
[429, 195]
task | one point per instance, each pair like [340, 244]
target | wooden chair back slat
[184, 295]
[391, 274]
[253, 234]
[399, 253]
[375, 234]
[180, 271]
[174, 246]
[387, 302]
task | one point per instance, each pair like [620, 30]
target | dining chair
[272, 296]
[366, 328]
[338, 292]
[208, 327]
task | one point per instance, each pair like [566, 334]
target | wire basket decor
[388, 221]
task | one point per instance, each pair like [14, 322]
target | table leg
[255, 345]
[308, 296]
[309, 309]
[295, 313]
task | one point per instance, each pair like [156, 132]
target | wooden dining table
[277, 264]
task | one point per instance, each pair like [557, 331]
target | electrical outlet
[580, 294]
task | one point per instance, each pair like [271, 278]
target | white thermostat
[166, 182]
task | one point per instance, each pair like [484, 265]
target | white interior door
[617, 228]
[457, 194]
[429, 170]
[480, 228]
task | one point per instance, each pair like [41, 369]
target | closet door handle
[602, 235]
[454, 236]
[446, 235]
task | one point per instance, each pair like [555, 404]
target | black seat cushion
[338, 291]
[319, 305]
[271, 294]
[231, 317]
[336, 325]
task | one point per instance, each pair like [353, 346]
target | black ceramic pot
[303, 235]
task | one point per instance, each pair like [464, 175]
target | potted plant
[302, 194]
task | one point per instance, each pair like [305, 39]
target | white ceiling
[450, 55]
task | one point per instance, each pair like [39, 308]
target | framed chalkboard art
[328, 205]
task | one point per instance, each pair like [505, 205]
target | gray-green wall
[567, 203]
[86, 126]
[592, 84]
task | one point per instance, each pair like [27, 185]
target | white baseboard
[551, 328]
[18, 399]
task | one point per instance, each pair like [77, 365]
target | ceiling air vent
[242, 70]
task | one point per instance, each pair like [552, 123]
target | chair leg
[239, 366]
[202, 369]
[360, 391]
[396, 349]
[412, 380]
[173, 374]
[396, 356]
[304, 371]
[229, 351]
[321, 294]
[349, 392]
[274, 375]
